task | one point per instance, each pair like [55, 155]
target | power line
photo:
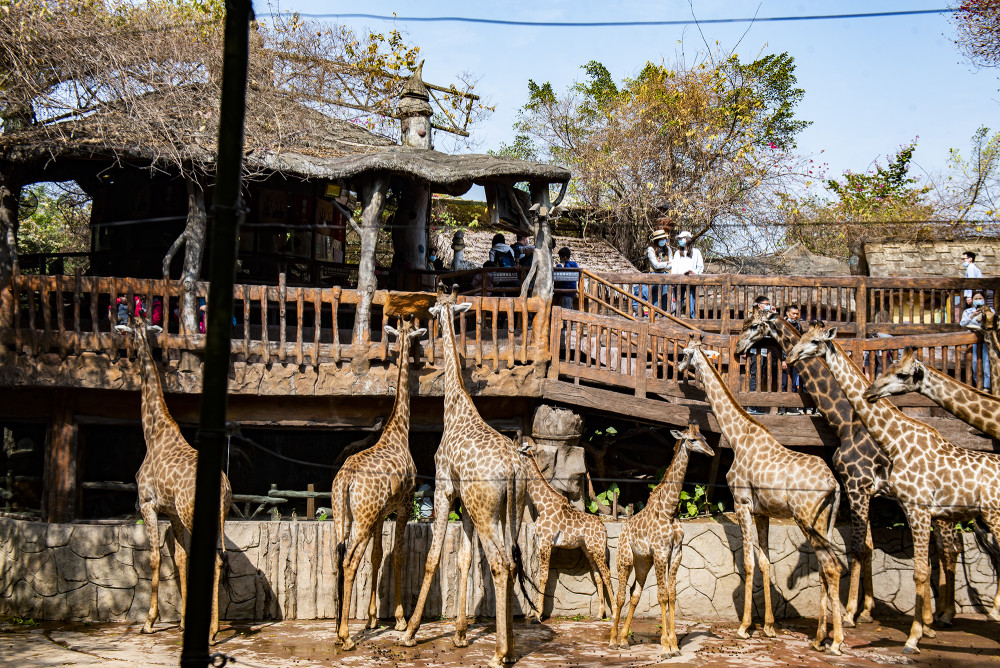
[621, 24]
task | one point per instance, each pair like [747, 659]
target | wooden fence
[67, 315]
[642, 357]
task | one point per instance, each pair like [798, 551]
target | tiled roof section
[590, 254]
[941, 258]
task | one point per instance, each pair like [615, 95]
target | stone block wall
[286, 570]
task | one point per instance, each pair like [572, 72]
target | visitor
[971, 271]
[969, 317]
[118, 311]
[768, 362]
[523, 251]
[685, 261]
[156, 312]
[789, 374]
[566, 263]
[658, 254]
[502, 255]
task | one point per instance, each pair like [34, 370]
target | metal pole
[226, 215]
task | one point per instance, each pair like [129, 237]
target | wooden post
[10, 193]
[713, 471]
[59, 486]
[310, 503]
[726, 287]
[640, 359]
[861, 307]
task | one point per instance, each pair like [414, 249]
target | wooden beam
[59, 478]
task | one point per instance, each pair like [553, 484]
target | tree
[59, 221]
[978, 26]
[970, 194]
[708, 146]
[878, 204]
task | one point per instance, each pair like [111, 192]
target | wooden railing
[860, 305]
[641, 357]
[69, 315]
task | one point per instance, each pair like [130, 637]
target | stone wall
[285, 570]
[941, 258]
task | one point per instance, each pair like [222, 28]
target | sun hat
[657, 235]
[683, 235]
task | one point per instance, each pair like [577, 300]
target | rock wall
[286, 570]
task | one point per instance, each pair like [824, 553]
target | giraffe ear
[831, 333]
[918, 371]
[677, 434]
[435, 311]
[461, 308]
[392, 330]
[155, 329]
[122, 329]
[417, 333]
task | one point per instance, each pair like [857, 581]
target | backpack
[505, 259]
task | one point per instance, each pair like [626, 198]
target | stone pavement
[973, 641]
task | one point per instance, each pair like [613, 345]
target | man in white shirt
[685, 261]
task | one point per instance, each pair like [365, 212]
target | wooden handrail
[653, 309]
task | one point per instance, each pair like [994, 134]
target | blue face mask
[661, 243]
[433, 257]
[965, 264]
[682, 242]
[978, 302]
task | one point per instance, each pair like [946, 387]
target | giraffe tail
[825, 539]
[340, 511]
[985, 545]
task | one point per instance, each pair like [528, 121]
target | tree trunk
[543, 243]
[373, 193]
[10, 194]
[193, 238]
[409, 233]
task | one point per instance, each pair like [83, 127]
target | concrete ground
[973, 641]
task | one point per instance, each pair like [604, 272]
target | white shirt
[657, 265]
[972, 271]
[682, 262]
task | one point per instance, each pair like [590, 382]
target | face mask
[682, 242]
[433, 257]
[978, 302]
[766, 308]
[662, 243]
[965, 264]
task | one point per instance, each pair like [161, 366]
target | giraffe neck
[543, 496]
[154, 408]
[734, 422]
[668, 493]
[459, 408]
[960, 399]
[880, 417]
[399, 419]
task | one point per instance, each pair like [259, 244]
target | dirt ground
[973, 641]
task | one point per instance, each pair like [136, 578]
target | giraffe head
[817, 342]
[407, 330]
[138, 330]
[692, 440]
[904, 375]
[447, 306]
[985, 319]
[689, 355]
[760, 325]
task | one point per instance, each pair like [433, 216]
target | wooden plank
[510, 333]
[642, 347]
[299, 315]
[282, 316]
[494, 316]
[317, 301]
[60, 468]
[61, 318]
[335, 305]
[477, 305]
[77, 325]
[265, 347]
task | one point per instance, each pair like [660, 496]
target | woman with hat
[658, 254]
[685, 261]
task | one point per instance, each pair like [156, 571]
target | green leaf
[692, 510]
[685, 496]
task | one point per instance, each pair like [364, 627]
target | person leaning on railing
[685, 261]
[978, 349]
[658, 254]
[565, 263]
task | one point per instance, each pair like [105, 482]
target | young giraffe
[653, 537]
[166, 479]
[909, 374]
[371, 485]
[769, 480]
[862, 466]
[559, 524]
[932, 479]
[483, 468]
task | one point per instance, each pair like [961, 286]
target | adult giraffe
[935, 481]
[862, 466]
[769, 480]
[482, 467]
[370, 486]
[166, 479]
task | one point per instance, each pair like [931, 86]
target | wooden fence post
[641, 349]
[861, 307]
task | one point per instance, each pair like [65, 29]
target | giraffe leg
[861, 557]
[544, 555]
[442, 503]
[398, 553]
[920, 526]
[356, 546]
[992, 519]
[623, 565]
[762, 524]
[181, 542]
[375, 536]
[829, 572]
[464, 564]
[749, 542]
[595, 549]
[675, 563]
[949, 547]
[153, 535]
[642, 566]
[660, 569]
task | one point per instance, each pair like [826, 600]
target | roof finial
[414, 111]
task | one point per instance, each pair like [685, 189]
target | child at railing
[565, 263]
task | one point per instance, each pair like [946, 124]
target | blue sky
[871, 84]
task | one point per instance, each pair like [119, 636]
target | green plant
[605, 498]
[21, 621]
[322, 516]
[693, 505]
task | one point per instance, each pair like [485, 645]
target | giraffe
[769, 480]
[935, 481]
[166, 478]
[862, 466]
[483, 468]
[909, 374]
[988, 322]
[653, 537]
[371, 485]
[559, 524]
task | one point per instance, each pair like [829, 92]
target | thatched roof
[281, 136]
[592, 254]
